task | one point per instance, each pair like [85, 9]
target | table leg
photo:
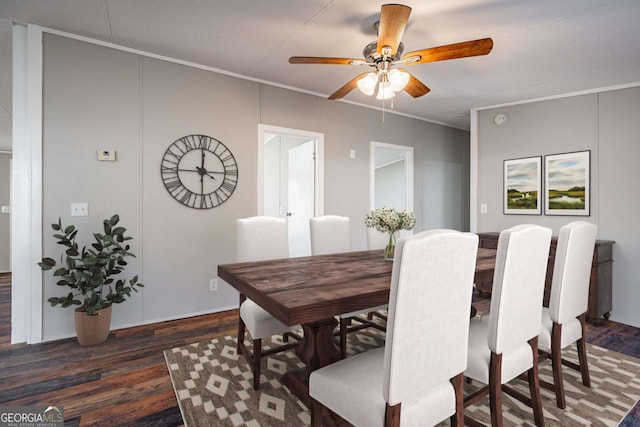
[317, 349]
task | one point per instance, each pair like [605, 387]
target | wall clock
[199, 171]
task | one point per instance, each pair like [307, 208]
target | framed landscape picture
[522, 181]
[567, 183]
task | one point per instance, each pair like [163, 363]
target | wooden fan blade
[344, 90]
[393, 21]
[451, 51]
[323, 60]
[415, 87]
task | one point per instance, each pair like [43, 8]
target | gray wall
[99, 98]
[5, 218]
[605, 123]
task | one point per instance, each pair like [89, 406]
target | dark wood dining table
[311, 291]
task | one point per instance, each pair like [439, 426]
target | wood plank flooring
[125, 381]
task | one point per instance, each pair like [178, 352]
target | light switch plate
[5, 209]
[79, 209]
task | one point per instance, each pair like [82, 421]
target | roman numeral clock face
[199, 171]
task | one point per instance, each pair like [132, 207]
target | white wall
[99, 98]
[605, 123]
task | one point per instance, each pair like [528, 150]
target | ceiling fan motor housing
[370, 52]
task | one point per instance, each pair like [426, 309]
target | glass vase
[391, 247]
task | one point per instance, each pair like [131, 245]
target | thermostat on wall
[107, 155]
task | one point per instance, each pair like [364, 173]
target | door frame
[319, 169]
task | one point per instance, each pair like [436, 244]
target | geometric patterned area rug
[214, 387]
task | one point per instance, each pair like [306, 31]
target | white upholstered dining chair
[563, 322]
[416, 379]
[260, 238]
[504, 344]
[331, 234]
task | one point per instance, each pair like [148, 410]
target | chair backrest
[572, 271]
[376, 239]
[330, 234]
[518, 286]
[261, 237]
[429, 305]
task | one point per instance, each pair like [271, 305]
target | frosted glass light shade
[385, 91]
[398, 79]
[367, 84]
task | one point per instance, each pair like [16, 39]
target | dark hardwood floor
[125, 380]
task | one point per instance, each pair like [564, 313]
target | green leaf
[72, 252]
[47, 264]
[60, 272]
[114, 219]
[69, 229]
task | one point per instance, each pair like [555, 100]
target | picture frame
[522, 190]
[567, 183]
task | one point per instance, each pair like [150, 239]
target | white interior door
[290, 171]
[300, 197]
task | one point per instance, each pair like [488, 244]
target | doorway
[391, 177]
[290, 177]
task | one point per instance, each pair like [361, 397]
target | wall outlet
[6, 209]
[107, 155]
[79, 209]
[483, 208]
[213, 284]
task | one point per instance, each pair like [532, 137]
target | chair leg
[495, 389]
[241, 327]
[344, 325]
[392, 415]
[556, 364]
[534, 385]
[316, 413]
[257, 359]
[457, 419]
[582, 355]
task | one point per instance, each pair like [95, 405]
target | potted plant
[88, 273]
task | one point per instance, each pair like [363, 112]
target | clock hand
[213, 177]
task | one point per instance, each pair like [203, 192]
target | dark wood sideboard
[600, 286]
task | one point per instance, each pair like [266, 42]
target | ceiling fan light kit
[384, 54]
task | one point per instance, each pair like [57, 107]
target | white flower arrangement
[389, 220]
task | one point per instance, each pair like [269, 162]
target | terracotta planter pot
[92, 330]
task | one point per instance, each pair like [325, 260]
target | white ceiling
[541, 48]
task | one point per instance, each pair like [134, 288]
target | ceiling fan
[385, 55]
